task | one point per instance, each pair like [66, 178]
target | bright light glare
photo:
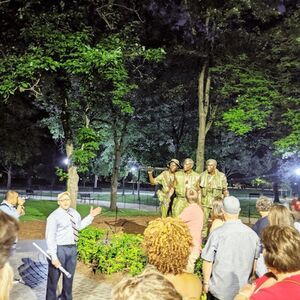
[133, 169]
[66, 161]
[297, 171]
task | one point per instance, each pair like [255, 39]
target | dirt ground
[30, 230]
[35, 230]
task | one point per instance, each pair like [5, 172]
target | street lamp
[66, 161]
[132, 170]
[297, 171]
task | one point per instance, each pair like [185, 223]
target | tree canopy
[145, 81]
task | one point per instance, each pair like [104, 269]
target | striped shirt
[59, 230]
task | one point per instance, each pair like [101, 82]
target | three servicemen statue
[211, 184]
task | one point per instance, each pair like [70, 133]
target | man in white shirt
[229, 254]
[62, 229]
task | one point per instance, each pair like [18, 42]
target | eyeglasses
[65, 199]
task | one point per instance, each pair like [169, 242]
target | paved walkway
[31, 266]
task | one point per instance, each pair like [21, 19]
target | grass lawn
[41, 209]
[248, 206]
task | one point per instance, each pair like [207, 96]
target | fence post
[249, 213]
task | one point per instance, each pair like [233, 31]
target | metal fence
[133, 195]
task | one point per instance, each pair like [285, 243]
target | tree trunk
[119, 135]
[29, 181]
[96, 181]
[201, 143]
[276, 191]
[9, 173]
[115, 177]
[73, 178]
[52, 183]
[203, 109]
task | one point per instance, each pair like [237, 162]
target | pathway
[31, 266]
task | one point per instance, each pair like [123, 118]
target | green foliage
[88, 243]
[54, 50]
[198, 267]
[290, 143]
[119, 253]
[87, 143]
[261, 182]
[253, 96]
[61, 174]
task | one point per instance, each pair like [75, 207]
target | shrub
[121, 252]
[198, 267]
[89, 240]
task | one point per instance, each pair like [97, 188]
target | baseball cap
[231, 205]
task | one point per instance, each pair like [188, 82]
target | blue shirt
[232, 249]
[59, 230]
[9, 209]
[260, 225]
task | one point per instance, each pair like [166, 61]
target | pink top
[193, 217]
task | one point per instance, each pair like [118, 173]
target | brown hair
[167, 243]
[280, 215]
[282, 248]
[147, 286]
[9, 227]
[296, 215]
[192, 196]
[216, 212]
[263, 203]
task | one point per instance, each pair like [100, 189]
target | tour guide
[62, 229]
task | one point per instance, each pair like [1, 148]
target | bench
[29, 192]
[86, 197]
[255, 195]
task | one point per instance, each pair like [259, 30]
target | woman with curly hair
[167, 244]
